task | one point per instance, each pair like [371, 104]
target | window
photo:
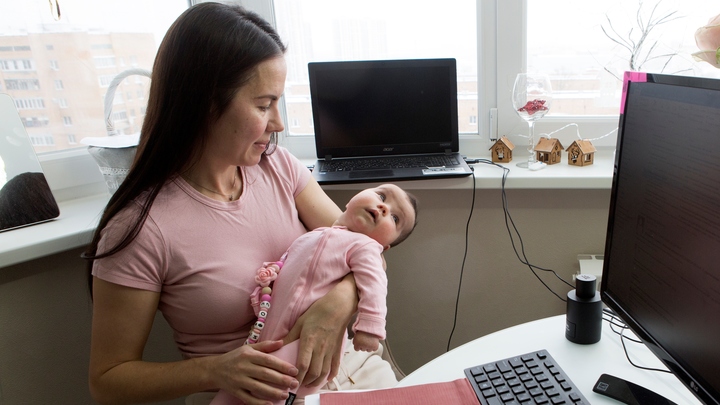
[34, 103]
[90, 42]
[55, 61]
[104, 80]
[16, 65]
[119, 116]
[102, 39]
[42, 140]
[534, 35]
[36, 122]
[104, 62]
[322, 30]
[22, 84]
[585, 48]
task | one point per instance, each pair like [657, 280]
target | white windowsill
[73, 228]
[78, 217]
[557, 176]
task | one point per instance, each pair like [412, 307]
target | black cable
[627, 356]
[508, 222]
[462, 267]
[615, 321]
[612, 318]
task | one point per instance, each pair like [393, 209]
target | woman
[205, 203]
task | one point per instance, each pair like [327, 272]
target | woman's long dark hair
[208, 53]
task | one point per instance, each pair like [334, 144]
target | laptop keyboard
[533, 378]
[394, 162]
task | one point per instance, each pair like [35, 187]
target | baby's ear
[386, 247]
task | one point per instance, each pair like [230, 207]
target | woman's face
[242, 133]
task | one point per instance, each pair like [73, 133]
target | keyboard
[533, 378]
[394, 162]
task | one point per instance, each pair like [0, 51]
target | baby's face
[383, 213]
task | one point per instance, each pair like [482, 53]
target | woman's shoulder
[285, 166]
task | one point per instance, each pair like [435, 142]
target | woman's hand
[122, 320]
[253, 376]
[321, 330]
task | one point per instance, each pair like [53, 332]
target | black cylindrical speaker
[584, 311]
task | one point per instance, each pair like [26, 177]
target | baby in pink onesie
[374, 220]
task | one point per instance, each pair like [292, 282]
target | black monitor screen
[662, 257]
[362, 107]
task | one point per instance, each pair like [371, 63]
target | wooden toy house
[581, 153]
[549, 151]
[502, 150]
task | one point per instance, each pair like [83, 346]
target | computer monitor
[661, 271]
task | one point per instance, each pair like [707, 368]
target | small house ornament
[581, 153]
[502, 150]
[549, 151]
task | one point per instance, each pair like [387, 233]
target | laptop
[25, 195]
[385, 120]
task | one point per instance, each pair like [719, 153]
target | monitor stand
[627, 392]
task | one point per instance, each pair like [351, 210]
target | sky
[119, 16]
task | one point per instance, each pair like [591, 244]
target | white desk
[582, 363]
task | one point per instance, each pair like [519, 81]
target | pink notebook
[457, 392]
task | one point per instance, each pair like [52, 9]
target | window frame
[511, 51]
[501, 55]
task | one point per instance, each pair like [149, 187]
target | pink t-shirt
[202, 254]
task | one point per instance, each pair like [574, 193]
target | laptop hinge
[328, 158]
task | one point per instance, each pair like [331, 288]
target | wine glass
[532, 96]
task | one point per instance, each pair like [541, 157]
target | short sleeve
[142, 264]
[291, 169]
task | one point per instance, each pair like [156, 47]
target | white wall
[497, 290]
[45, 315]
[45, 311]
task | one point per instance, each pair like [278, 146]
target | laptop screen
[384, 107]
[25, 195]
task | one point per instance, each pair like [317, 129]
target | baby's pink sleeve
[367, 267]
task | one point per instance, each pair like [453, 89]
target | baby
[374, 220]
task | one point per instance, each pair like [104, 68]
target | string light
[577, 133]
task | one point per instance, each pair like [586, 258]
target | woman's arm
[321, 329]
[122, 320]
[315, 208]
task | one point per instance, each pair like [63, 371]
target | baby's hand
[365, 342]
